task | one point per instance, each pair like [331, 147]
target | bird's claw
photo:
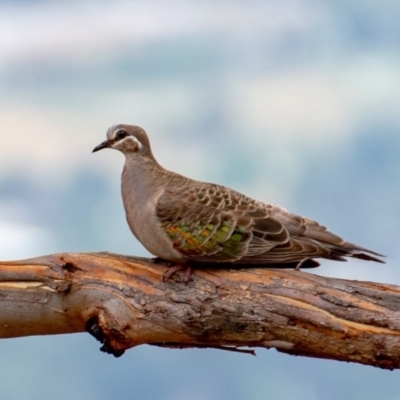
[178, 267]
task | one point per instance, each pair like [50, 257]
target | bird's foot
[175, 267]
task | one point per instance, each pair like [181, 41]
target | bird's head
[126, 138]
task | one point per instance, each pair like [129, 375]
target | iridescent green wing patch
[221, 241]
[189, 240]
[206, 223]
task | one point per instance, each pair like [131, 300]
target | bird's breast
[140, 208]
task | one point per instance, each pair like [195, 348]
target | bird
[187, 222]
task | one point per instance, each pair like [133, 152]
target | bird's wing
[211, 223]
[205, 223]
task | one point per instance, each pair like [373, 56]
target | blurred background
[295, 102]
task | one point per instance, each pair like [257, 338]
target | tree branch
[123, 302]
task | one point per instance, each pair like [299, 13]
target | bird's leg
[171, 271]
[300, 263]
[188, 272]
[175, 267]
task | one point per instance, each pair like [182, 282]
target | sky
[295, 102]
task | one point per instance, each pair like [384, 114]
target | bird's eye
[121, 134]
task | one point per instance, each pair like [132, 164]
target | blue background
[295, 102]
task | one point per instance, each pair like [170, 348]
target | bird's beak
[101, 146]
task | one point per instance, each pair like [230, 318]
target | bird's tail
[352, 250]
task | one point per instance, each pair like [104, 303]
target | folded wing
[213, 224]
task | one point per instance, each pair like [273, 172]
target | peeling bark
[123, 302]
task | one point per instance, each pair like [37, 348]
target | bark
[123, 302]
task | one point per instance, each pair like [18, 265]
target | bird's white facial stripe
[130, 138]
[110, 133]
